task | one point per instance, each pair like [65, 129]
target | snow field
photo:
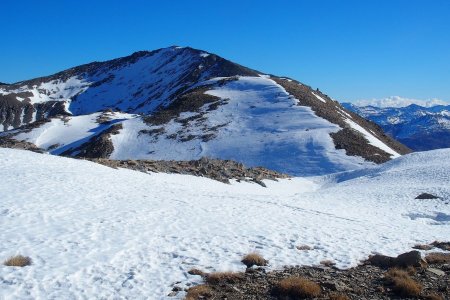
[97, 232]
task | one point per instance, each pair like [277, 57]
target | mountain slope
[98, 232]
[182, 103]
[420, 128]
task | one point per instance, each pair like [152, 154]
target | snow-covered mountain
[183, 104]
[96, 232]
[418, 127]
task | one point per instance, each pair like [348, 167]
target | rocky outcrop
[6, 142]
[99, 146]
[412, 258]
[15, 113]
[365, 281]
[221, 170]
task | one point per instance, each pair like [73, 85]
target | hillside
[184, 104]
[418, 127]
[98, 232]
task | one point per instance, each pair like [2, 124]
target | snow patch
[320, 98]
[372, 139]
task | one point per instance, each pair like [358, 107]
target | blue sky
[349, 49]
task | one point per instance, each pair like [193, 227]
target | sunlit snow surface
[97, 232]
[259, 125]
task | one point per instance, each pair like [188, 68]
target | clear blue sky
[349, 49]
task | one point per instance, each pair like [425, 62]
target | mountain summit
[180, 103]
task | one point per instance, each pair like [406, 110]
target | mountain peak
[183, 104]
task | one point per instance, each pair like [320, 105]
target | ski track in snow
[97, 232]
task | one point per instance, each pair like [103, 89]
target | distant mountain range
[180, 103]
[418, 127]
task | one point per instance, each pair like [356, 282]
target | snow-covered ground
[259, 125]
[61, 134]
[97, 232]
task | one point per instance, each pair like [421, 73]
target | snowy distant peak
[397, 101]
[420, 128]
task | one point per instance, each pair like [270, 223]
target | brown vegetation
[297, 287]
[198, 291]
[254, 259]
[223, 277]
[18, 261]
[403, 284]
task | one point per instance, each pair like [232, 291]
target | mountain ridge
[183, 104]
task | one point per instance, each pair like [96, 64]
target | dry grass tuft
[407, 287]
[196, 272]
[403, 284]
[253, 259]
[223, 277]
[338, 296]
[198, 291]
[396, 273]
[297, 287]
[438, 258]
[18, 261]
[433, 297]
[411, 270]
[304, 248]
[327, 263]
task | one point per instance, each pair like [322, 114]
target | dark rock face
[427, 196]
[15, 113]
[412, 258]
[99, 146]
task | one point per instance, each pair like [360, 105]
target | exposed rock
[99, 146]
[382, 261]
[442, 245]
[436, 271]
[426, 196]
[412, 258]
[6, 142]
[221, 170]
